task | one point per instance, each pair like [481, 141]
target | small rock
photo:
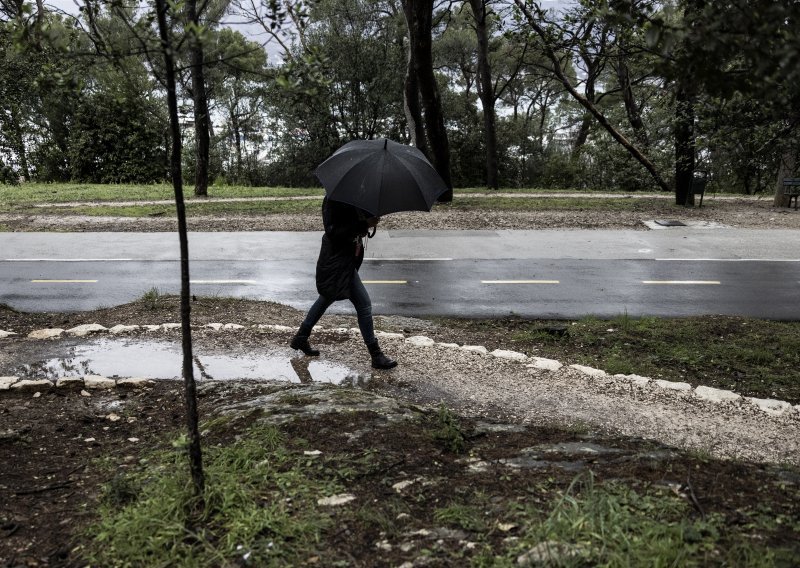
[97, 382]
[770, 406]
[29, 385]
[312, 453]
[716, 395]
[69, 382]
[118, 329]
[86, 329]
[400, 485]
[232, 326]
[509, 355]
[480, 349]
[669, 385]
[388, 335]
[637, 380]
[448, 345]
[545, 364]
[37, 394]
[133, 440]
[113, 417]
[46, 333]
[4, 333]
[6, 382]
[85, 393]
[169, 326]
[589, 371]
[88, 439]
[420, 341]
[336, 500]
[506, 527]
[150, 327]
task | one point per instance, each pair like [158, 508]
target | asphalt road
[537, 274]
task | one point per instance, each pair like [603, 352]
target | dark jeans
[360, 299]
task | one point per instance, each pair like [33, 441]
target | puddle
[163, 360]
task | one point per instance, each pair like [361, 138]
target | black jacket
[342, 248]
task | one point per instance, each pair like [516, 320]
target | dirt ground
[59, 447]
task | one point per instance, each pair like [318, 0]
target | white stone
[85, 393]
[716, 395]
[46, 333]
[27, 384]
[6, 382]
[420, 341]
[214, 326]
[400, 485]
[388, 335]
[98, 382]
[589, 371]
[637, 380]
[86, 329]
[448, 345]
[274, 327]
[168, 326]
[69, 382]
[545, 364]
[4, 333]
[312, 453]
[335, 500]
[480, 349]
[135, 382]
[509, 355]
[151, 327]
[770, 406]
[670, 385]
[117, 329]
[232, 326]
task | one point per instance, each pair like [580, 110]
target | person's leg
[300, 340]
[360, 299]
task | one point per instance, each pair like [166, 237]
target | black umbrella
[381, 177]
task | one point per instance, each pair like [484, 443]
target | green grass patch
[194, 208]
[260, 510]
[752, 357]
[535, 203]
[614, 525]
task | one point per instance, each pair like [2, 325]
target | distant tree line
[606, 94]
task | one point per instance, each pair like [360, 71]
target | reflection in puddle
[163, 360]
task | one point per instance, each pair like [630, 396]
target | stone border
[768, 406]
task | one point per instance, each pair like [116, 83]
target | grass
[260, 510]
[752, 357]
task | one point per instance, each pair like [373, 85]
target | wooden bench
[791, 189]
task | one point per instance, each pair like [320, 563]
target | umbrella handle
[374, 230]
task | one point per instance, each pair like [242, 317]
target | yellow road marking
[222, 282]
[688, 282]
[384, 281]
[63, 281]
[520, 282]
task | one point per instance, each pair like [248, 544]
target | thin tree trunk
[422, 21]
[411, 104]
[486, 92]
[190, 389]
[19, 142]
[785, 169]
[561, 76]
[631, 107]
[684, 146]
[201, 119]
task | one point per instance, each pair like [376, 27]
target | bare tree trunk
[411, 103]
[600, 117]
[422, 21]
[201, 119]
[684, 146]
[785, 169]
[19, 143]
[631, 107]
[486, 92]
[190, 389]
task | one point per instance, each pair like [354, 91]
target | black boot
[300, 341]
[379, 360]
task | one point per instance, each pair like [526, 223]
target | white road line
[679, 282]
[731, 259]
[520, 282]
[223, 282]
[63, 281]
[66, 259]
[373, 259]
[384, 281]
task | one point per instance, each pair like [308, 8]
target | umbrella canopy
[381, 177]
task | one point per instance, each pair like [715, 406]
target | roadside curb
[769, 407]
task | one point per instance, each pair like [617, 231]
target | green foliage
[152, 299]
[448, 430]
[260, 510]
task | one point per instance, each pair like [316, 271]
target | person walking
[340, 257]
